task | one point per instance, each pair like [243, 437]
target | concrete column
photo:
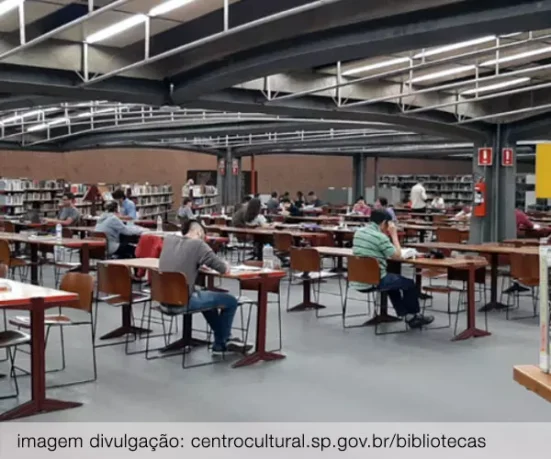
[482, 227]
[358, 175]
[221, 179]
[229, 189]
[506, 196]
[239, 183]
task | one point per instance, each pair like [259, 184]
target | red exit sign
[485, 156]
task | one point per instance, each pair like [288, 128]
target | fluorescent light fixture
[166, 7]
[117, 28]
[493, 87]
[41, 127]
[443, 73]
[27, 115]
[514, 57]
[8, 5]
[379, 65]
[453, 47]
[97, 112]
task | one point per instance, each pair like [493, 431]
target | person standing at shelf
[418, 198]
[186, 209]
[69, 214]
[117, 233]
[127, 207]
[438, 202]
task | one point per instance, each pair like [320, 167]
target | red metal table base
[260, 353]
[33, 407]
[471, 333]
[187, 340]
[307, 303]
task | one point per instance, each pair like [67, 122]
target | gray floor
[328, 375]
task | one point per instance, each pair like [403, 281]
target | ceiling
[346, 81]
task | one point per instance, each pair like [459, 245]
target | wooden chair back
[169, 226]
[5, 252]
[169, 288]
[98, 253]
[9, 227]
[525, 267]
[115, 280]
[3, 270]
[440, 219]
[83, 285]
[220, 221]
[450, 235]
[283, 242]
[271, 284]
[364, 269]
[66, 233]
[305, 259]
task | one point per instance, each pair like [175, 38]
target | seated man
[186, 255]
[361, 208]
[523, 222]
[272, 206]
[288, 208]
[186, 209]
[371, 241]
[314, 201]
[382, 203]
[69, 214]
[127, 206]
[113, 228]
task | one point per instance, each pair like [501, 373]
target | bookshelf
[206, 199]
[457, 190]
[17, 196]
[151, 200]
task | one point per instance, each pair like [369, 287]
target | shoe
[420, 321]
[515, 288]
[234, 345]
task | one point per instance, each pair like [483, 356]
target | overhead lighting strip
[454, 46]
[443, 73]
[378, 65]
[493, 87]
[515, 57]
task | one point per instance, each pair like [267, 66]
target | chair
[10, 340]
[83, 285]
[306, 267]
[115, 282]
[220, 221]
[100, 252]
[172, 291]
[366, 271]
[169, 226]
[439, 219]
[282, 244]
[450, 235]
[273, 286]
[12, 262]
[525, 269]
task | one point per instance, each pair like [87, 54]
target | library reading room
[275, 211]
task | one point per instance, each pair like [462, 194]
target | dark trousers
[403, 293]
[126, 250]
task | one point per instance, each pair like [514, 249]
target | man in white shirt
[418, 196]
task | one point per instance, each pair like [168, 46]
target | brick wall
[282, 172]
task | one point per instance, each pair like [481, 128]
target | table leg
[471, 331]
[38, 403]
[127, 328]
[260, 353]
[85, 258]
[34, 264]
[307, 302]
[493, 304]
[187, 339]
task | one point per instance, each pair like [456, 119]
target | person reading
[187, 254]
[117, 233]
[361, 208]
[127, 206]
[382, 203]
[69, 214]
[373, 241]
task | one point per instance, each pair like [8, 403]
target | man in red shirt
[523, 222]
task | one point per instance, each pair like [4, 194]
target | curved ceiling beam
[437, 123]
[371, 140]
[371, 40]
[92, 139]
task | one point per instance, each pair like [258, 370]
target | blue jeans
[403, 293]
[219, 322]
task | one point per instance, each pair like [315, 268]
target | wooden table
[492, 249]
[534, 242]
[260, 353]
[531, 377]
[35, 242]
[36, 300]
[456, 263]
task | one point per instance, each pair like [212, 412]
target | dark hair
[274, 194]
[253, 209]
[257, 195]
[188, 223]
[118, 194]
[247, 198]
[360, 198]
[69, 195]
[311, 193]
[111, 206]
[186, 200]
[300, 194]
[129, 192]
[286, 201]
[383, 201]
[379, 216]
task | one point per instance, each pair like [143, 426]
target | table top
[523, 241]
[488, 248]
[19, 294]
[51, 240]
[531, 377]
[237, 272]
[458, 262]
[261, 231]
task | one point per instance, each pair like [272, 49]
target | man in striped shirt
[373, 241]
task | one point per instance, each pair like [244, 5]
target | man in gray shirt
[69, 214]
[272, 206]
[186, 254]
